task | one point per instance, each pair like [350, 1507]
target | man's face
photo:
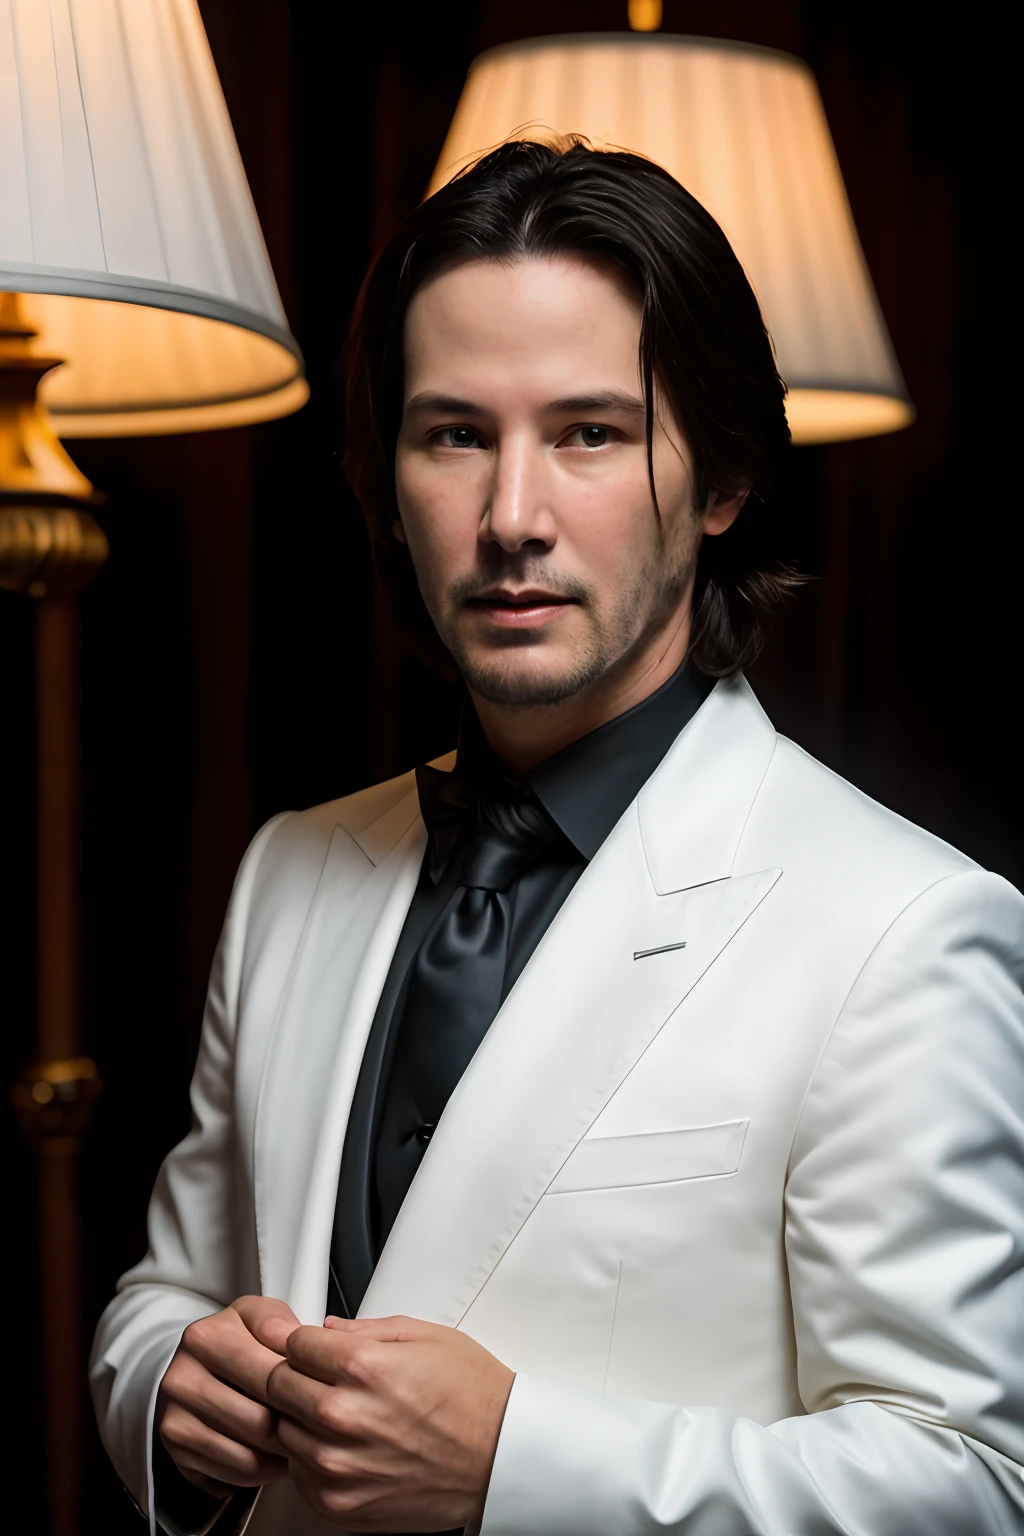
[523, 484]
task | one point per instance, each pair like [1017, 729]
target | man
[651, 1096]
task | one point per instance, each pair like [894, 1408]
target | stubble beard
[641, 606]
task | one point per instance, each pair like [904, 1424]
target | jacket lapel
[310, 1069]
[583, 1011]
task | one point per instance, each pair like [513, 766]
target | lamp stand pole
[50, 547]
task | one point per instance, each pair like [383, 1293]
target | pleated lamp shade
[127, 225]
[744, 130]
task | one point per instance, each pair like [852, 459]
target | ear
[399, 531]
[722, 511]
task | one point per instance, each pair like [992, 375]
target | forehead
[533, 322]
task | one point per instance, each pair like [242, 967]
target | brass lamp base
[46, 549]
[49, 540]
[50, 547]
[53, 1100]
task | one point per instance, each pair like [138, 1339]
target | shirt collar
[587, 785]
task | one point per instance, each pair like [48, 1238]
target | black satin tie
[495, 830]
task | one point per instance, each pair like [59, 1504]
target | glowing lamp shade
[744, 130]
[127, 226]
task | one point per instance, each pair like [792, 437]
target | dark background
[236, 661]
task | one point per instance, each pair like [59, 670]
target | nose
[518, 511]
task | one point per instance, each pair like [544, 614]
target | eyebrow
[603, 400]
[428, 401]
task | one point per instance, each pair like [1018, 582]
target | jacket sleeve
[190, 1269]
[905, 1247]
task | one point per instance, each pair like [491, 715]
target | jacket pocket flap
[656, 1157]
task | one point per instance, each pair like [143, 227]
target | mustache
[518, 574]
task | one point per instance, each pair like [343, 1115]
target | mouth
[530, 608]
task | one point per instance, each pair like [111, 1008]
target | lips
[527, 609]
[529, 597]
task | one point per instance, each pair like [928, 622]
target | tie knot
[505, 835]
[497, 826]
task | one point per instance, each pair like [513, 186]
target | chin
[513, 679]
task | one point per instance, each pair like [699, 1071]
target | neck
[524, 737]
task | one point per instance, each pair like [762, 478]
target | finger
[333, 1355]
[325, 1410]
[224, 1345]
[333, 1458]
[267, 1319]
[275, 1332]
[273, 1470]
[189, 1384]
[388, 1330]
[320, 1354]
[210, 1485]
[196, 1447]
[340, 1501]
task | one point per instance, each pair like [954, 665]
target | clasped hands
[383, 1424]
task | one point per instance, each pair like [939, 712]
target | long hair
[702, 339]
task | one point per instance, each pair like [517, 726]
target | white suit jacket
[735, 1182]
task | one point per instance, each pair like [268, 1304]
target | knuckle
[326, 1459]
[404, 1326]
[183, 1430]
[198, 1335]
[264, 1422]
[343, 1500]
[170, 1423]
[360, 1365]
[185, 1378]
[330, 1415]
[246, 1310]
[174, 1375]
[250, 1462]
[193, 1333]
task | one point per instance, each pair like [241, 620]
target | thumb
[391, 1330]
[269, 1320]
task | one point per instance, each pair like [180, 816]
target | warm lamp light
[127, 227]
[136, 296]
[645, 15]
[744, 130]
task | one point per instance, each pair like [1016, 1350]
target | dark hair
[702, 338]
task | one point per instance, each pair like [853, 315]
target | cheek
[609, 527]
[673, 480]
[438, 512]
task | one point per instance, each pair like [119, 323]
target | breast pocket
[655, 1157]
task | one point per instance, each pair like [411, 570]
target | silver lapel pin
[663, 949]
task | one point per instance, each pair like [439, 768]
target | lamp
[744, 130]
[136, 296]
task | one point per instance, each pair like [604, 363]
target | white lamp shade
[744, 130]
[127, 224]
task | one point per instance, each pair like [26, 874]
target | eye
[456, 437]
[589, 437]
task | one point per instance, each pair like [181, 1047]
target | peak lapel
[311, 1066]
[694, 809]
[582, 1013]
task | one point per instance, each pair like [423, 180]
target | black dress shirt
[584, 789]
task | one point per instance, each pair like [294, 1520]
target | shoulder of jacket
[358, 811]
[292, 846]
[354, 813]
[831, 824]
